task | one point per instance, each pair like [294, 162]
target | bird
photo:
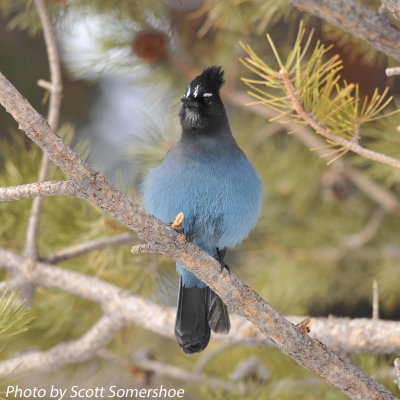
[208, 178]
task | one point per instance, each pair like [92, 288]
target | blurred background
[320, 243]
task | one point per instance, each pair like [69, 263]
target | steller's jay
[206, 176]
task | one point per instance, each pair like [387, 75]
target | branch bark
[358, 20]
[70, 352]
[40, 189]
[393, 6]
[239, 297]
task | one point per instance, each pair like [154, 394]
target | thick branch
[239, 297]
[40, 189]
[358, 20]
[332, 137]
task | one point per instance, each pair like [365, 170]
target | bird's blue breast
[218, 191]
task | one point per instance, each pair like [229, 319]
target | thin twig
[397, 371]
[52, 118]
[40, 189]
[171, 371]
[261, 135]
[359, 239]
[180, 374]
[235, 293]
[332, 137]
[392, 71]
[375, 300]
[209, 355]
[81, 249]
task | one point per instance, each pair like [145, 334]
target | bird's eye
[207, 97]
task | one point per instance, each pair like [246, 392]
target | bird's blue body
[207, 177]
[216, 188]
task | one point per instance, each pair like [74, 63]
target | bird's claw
[220, 258]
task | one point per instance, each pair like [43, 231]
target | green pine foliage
[14, 316]
[313, 81]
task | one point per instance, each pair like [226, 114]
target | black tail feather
[218, 315]
[192, 329]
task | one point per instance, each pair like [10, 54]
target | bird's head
[202, 107]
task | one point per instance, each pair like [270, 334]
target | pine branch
[358, 20]
[55, 88]
[236, 294]
[325, 132]
[14, 317]
[40, 189]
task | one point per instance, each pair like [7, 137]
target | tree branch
[78, 250]
[169, 370]
[40, 189]
[332, 137]
[236, 294]
[53, 118]
[393, 6]
[358, 20]
[70, 352]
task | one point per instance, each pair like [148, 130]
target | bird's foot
[220, 258]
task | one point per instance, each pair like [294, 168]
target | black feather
[211, 78]
[218, 315]
[192, 329]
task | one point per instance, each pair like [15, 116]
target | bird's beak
[189, 103]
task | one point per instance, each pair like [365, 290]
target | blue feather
[216, 188]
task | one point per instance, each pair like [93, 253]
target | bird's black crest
[211, 77]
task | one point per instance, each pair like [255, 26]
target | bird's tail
[192, 328]
[218, 315]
